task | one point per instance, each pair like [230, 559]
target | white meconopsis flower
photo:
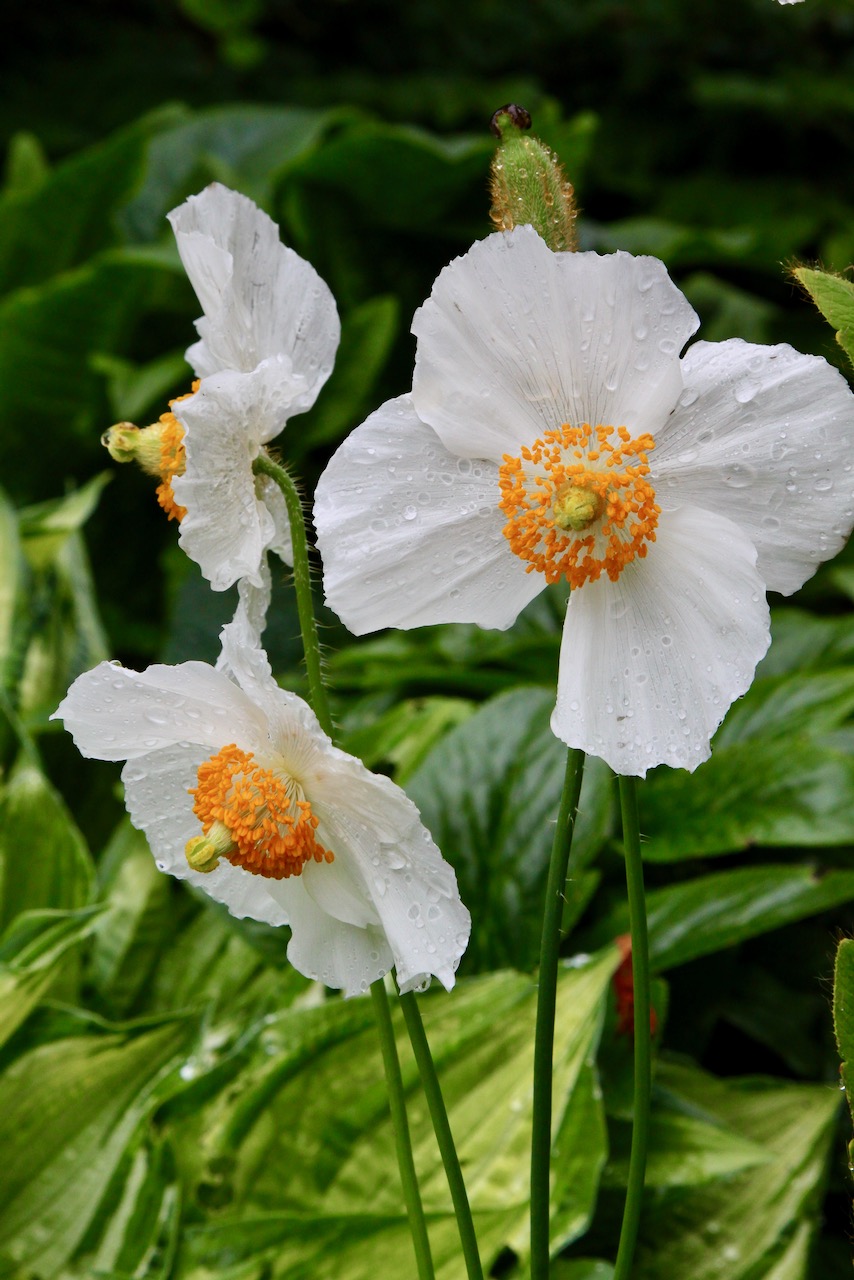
[240, 792]
[267, 344]
[553, 434]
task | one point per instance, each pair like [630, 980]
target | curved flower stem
[400, 1125]
[643, 1050]
[541, 1124]
[444, 1137]
[265, 466]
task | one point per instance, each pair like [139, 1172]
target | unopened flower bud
[528, 184]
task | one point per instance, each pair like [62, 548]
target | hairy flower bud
[528, 184]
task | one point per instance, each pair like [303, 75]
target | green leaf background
[175, 1102]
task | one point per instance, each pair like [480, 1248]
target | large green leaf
[33, 954]
[706, 914]
[44, 861]
[47, 335]
[489, 793]
[779, 791]
[136, 925]
[398, 176]
[57, 223]
[137, 1236]
[684, 1151]
[321, 1094]
[741, 1228]
[246, 147]
[69, 1111]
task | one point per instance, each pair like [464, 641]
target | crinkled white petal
[515, 339]
[243, 634]
[228, 527]
[329, 950]
[260, 298]
[764, 435]
[156, 794]
[274, 500]
[116, 714]
[410, 534]
[369, 821]
[650, 664]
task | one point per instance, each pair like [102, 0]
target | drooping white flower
[230, 772]
[267, 344]
[553, 434]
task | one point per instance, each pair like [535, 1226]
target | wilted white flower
[553, 434]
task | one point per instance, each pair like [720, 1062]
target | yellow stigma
[576, 507]
[158, 449]
[256, 818]
[583, 480]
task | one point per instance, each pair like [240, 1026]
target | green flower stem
[444, 1137]
[265, 466]
[400, 1124]
[643, 1038]
[541, 1135]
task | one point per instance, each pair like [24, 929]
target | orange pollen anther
[264, 814]
[578, 502]
[173, 458]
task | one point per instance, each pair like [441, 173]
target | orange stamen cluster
[578, 502]
[173, 458]
[267, 816]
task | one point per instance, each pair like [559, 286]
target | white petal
[156, 794]
[260, 299]
[761, 434]
[516, 339]
[274, 500]
[243, 634]
[116, 714]
[370, 823]
[764, 435]
[337, 954]
[411, 534]
[228, 528]
[650, 664]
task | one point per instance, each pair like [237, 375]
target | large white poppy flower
[553, 434]
[267, 344]
[230, 772]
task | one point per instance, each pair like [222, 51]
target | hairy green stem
[541, 1124]
[444, 1137]
[265, 466]
[400, 1124]
[643, 1038]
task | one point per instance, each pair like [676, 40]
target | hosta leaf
[706, 914]
[44, 861]
[783, 791]
[33, 954]
[69, 1111]
[489, 793]
[741, 1227]
[136, 924]
[310, 1214]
